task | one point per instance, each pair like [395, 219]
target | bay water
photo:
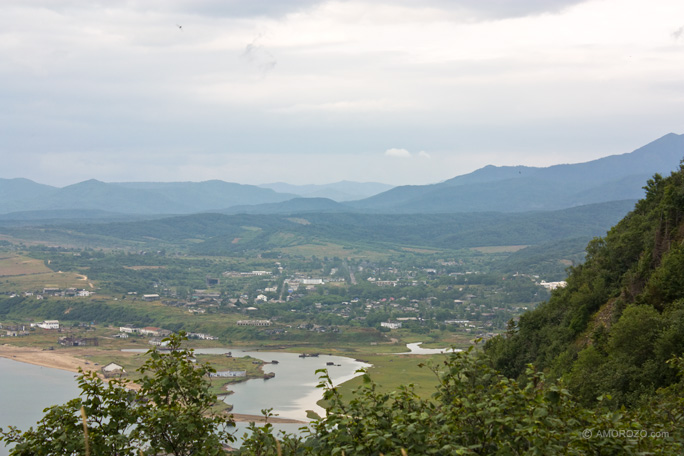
[26, 390]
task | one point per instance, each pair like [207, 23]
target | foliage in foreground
[476, 410]
[168, 415]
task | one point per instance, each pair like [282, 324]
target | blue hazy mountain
[523, 188]
[132, 198]
[338, 191]
[489, 189]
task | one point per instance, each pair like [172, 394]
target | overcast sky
[306, 91]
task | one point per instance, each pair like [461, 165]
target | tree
[169, 415]
[477, 411]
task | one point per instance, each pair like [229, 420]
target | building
[152, 331]
[254, 323]
[224, 374]
[129, 329]
[47, 324]
[261, 273]
[553, 285]
[157, 342]
[201, 336]
[113, 370]
[69, 341]
[390, 325]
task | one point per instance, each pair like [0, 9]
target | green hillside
[621, 316]
[219, 234]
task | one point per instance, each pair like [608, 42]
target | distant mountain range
[338, 191]
[23, 195]
[133, 197]
[522, 188]
[489, 189]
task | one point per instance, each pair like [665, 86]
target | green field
[17, 265]
[329, 249]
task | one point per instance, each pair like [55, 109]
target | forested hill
[621, 316]
[219, 234]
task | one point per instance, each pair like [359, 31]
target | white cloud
[423, 154]
[401, 153]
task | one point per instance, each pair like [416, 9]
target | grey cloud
[259, 56]
[210, 8]
[677, 34]
[478, 9]
[241, 8]
[475, 9]
[496, 9]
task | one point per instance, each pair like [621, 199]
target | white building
[151, 331]
[253, 323]
[47, 324]
[553, 285]
[202, 336]
[113, 370]
[390, 325]
[157, 342]
[228, 374]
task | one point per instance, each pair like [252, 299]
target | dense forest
[621, 316]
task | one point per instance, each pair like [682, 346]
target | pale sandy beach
[46, 358]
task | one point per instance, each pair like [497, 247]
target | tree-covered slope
[621, 316]
[212, 234]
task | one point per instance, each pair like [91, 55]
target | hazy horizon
[304, 184]
[319, 91]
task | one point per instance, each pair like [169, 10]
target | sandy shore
[59, 360]
[45, 358]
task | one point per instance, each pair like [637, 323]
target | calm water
[293, 389]
[25, 389]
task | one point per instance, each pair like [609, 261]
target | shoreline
[44, 358]
[52, 359]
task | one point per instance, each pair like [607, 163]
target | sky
[313, 92]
